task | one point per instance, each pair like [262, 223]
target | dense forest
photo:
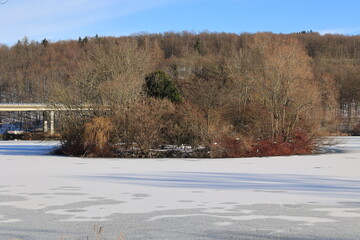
[226, 95]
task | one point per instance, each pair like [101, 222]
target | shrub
[300, 143]
[91, 138]
[355, 130]
[72, 141]
[183, 125]
[141, 124]
[97, 135]
[231, 147]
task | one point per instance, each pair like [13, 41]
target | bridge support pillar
[45, 122]
[45, 126]
[52, 122]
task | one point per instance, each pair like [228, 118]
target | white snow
[309, 220]
[340, 212]
[91, 189]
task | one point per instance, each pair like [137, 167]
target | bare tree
[108, 82]
[283, 83]
[207, 90]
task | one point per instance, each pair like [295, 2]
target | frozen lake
[298, 197]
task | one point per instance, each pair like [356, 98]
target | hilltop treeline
[234, 95]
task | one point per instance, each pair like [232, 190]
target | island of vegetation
[190, 94]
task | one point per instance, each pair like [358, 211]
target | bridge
[41, 107]
[37, 107]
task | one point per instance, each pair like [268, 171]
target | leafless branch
[3, 2]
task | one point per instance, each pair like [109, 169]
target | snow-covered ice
[308, 192]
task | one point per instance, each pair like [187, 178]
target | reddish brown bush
[230, 147]
[301, 143]
[356, 130]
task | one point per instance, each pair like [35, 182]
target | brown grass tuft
[97, 135]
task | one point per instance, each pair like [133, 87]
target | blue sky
[69, 19]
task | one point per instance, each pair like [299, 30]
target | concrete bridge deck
[26, 107]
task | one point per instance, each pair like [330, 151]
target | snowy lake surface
[294, 197]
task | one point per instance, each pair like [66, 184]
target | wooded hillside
[235, 95]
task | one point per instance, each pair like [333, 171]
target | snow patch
[307, 220]
[340, 212]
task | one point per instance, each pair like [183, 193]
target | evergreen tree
[197, 47]
[159, 85]
[45, 42]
